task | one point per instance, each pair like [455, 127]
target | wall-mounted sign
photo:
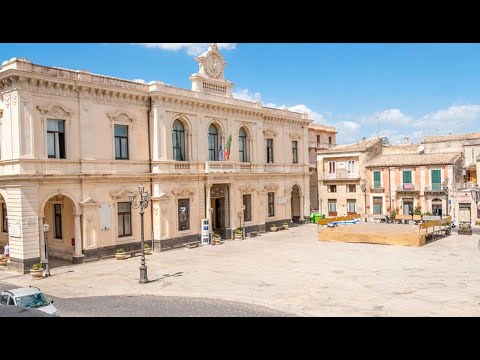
[205, 232]
[105, 217]
[15, 230]
[341, 165]
[282, 200]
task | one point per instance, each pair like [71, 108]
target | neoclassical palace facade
[74, 145]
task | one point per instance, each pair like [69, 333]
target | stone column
[288, 205]
[262, 210]
[302, 210]
[78, 255]
[208, 187]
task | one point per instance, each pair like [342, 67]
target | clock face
[214, 66]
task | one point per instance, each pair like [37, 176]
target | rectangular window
[351, 166]
[124, 214]
[351, 188]
[407, 176]
[332, 188]
[183, 214]
[294, 152]
[271, 204]
[331, 167]
[332, 207]
[318, 140]
[269, 151]
[121, 142]
[376, 180]
[436, 180]
[56, 139]
[351, 206]
[4, 218]
[329, 141]
[57, 212]
[247, 201]
[377, 205]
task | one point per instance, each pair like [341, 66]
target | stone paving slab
[294, 272]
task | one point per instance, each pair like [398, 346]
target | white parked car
[28, 297]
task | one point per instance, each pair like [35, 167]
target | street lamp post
[243, 221]
[445, 188]
[46, 228]
[142, 205]
[475, 193]
[363, 186]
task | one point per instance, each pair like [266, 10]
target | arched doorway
[437, 207]
[295, 204]
[59, 213]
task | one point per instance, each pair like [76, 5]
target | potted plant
[36, 270]
[217, 239]
[285, 225]
[464, 228]
[120, 254]
[273, 228]
[147, 250]
[238, 234]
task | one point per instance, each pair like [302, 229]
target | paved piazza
[292, 272]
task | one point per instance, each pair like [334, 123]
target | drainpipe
[150, 165]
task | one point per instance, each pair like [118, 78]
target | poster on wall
[105, 217]
[341, 165]
[14, 230]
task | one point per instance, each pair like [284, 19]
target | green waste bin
[312, 217]
[317, 217]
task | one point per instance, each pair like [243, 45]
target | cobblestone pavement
[291, 271]
[156, 306]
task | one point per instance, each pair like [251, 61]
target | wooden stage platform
[374, 233]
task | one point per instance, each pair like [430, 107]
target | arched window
[242, 145]
[178, 136]
[212, 143]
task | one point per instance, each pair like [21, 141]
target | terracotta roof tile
[414, 159]
[451, 137]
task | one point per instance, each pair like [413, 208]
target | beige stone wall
[90, 178]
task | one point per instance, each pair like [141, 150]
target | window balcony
[377, 187]
[341, 176]
[407, 188]
[435, 188]
[219, 167]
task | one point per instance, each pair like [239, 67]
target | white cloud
[139, 81]
[454, 119]
[387, 118]
[191, 48]
[245, 94]
[347, 132]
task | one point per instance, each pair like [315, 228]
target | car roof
[23, 291]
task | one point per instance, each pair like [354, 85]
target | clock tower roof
[210, 77]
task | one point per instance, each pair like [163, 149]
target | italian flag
[227, 147]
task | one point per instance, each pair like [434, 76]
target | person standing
[6, 251]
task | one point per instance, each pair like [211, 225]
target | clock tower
[210, 77]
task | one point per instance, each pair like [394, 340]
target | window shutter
[436, 177]
[407, 177]
[376, 176]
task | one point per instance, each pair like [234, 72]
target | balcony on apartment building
[435, 188]
[320, 145]
[377, 187]
[408, 188]
[465, 185]
[344, 175]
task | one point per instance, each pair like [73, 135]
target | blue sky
[395, 90]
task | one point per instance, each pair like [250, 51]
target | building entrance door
[219, 202]
[407, 206]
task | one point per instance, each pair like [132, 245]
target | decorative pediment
[295, 135]
[249, 188]
[120, 116]
[270, 133]
[117, 195]
[183, 192]
[271, 187]
[55, 111]
[161, 197]
[88, 202]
